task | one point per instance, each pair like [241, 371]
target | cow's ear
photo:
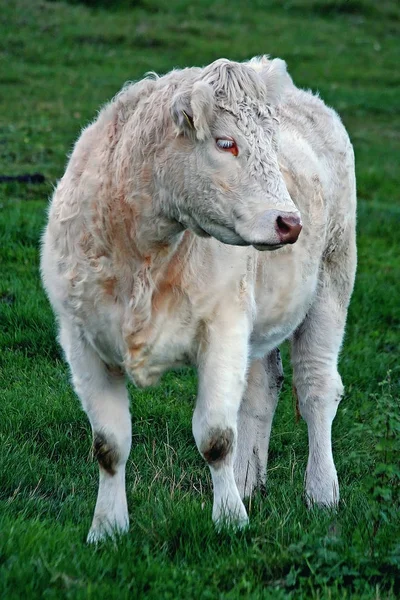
[193, 113]
[276, 79]
[182, 115]
[203, 104]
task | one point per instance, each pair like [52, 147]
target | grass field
[59, 63]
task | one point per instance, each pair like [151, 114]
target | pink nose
[288, 227]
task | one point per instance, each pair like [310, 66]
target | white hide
[138, 286]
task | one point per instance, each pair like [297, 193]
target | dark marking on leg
[274, 368]
[105, 452]
[114, 371]
[296, 404]
[279, 370]
[217, 446]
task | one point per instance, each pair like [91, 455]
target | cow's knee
[106, 451]
[321, 397]
[217, 445]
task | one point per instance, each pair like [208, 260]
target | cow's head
[231, 186]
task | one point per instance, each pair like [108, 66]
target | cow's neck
[142, 199]
[155, 233]
[161, 242]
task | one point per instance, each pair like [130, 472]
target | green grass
[60, 62]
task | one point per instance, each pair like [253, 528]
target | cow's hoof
[102, 529]
[234, 517]
[324, 494]
[231, 522]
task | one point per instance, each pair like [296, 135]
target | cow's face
[232, 188]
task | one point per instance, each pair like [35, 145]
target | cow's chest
[167, 342]
[172, 334]
[283, 295]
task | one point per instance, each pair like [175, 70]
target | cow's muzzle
[271, 229]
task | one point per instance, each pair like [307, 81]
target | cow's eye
[227, 144]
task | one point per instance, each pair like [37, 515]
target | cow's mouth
[263, 247]
[228, 235]
[224, 234]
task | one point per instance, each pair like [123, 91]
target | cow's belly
[266, 339]
[262, 343]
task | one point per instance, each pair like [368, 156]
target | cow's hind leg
[222, 371]
[105, 400]
[257, 409]
[315, 351]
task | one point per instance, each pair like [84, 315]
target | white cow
[152, 258]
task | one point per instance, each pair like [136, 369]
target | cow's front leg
[256, 413]
[319, 390]
[222, 373]
[105, 400]
[315, 351]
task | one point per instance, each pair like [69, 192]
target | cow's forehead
[239, 89]
[247, 109]
[235, 82]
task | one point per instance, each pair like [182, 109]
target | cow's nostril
[288, 227]
[282, 226]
